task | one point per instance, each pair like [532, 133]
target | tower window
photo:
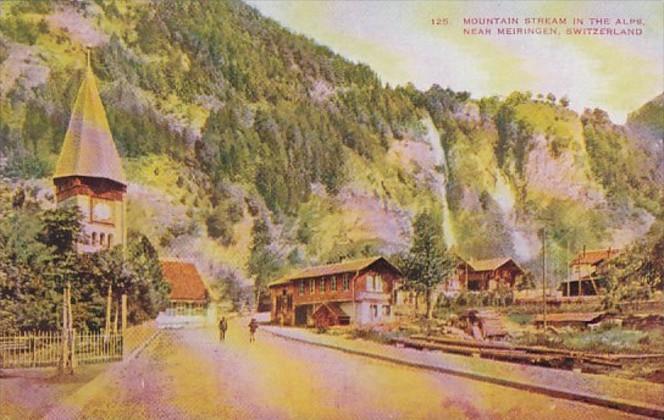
[102, 239]
[110, 240]
[94, 238]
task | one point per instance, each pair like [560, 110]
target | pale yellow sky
[397, 39]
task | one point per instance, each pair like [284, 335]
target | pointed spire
[88, 148]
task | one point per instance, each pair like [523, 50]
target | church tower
[89, 172]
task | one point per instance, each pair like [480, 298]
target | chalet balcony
[375, 296]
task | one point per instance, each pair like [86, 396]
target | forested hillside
[253, 149]
[647, 127]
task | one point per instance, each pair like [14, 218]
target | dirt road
[189, 374]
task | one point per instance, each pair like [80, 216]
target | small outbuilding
[570, 319]
[189, 298]
[588, 272]
[329, 314]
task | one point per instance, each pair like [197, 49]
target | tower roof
[88, 148]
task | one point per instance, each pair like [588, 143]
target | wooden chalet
[587, 272]
[359, 292]
[481, 275]
[189, 295]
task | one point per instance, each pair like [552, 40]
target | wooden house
[482, 275]
[587, 272]
[359, 292]
[189, 298]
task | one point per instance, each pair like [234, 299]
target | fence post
[124, 324]
[64, 347]
[74, 363]
[34, 348]
[107, 325]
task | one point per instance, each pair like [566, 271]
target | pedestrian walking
[253, 326]
[223, 326]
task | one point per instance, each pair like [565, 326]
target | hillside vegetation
[226, 120]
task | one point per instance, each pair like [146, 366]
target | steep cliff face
[520, 164]
[646, 127]
[222, 116]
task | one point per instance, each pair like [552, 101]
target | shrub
[219, 228]
[372, 334]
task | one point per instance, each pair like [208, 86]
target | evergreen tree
[264, 263]
[149, 294]
[427, 263]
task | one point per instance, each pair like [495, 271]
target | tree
[525, 281]
[264, 263]
[428, 262]
[149, 293]
[218, 227]
[656, 262]
[38, 257]
[637, 272]
[564, 101]
[61, 229]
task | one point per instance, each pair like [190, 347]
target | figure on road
[223, 326]
[253, 326]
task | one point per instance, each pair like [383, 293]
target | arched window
[110, 240]
[102, 239]
[94, 238]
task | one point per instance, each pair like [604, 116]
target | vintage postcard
[281, 209]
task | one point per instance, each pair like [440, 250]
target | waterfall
[440, 183]
[504, 196]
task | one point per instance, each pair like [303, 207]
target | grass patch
[371, 334]
[602, 340]
[612, 340]
[521, 318]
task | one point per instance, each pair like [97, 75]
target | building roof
[491, 264]
[594, 256]
[334, 308]
[584, 317]
[331, 269]
[88, 148]
[186, 283]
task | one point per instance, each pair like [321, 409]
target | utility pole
[567, 265]
[544, 277]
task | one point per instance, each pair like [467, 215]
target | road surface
[189, 374]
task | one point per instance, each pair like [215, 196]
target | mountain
[224, 118]
[647, 127]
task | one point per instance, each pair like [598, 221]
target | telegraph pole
[567, 264]
[544, 277]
